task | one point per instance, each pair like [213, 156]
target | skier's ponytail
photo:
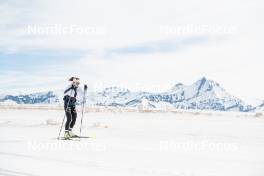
[72, 78]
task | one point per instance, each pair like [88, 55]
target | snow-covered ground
[137, 144]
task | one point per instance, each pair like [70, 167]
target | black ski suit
[70, 95]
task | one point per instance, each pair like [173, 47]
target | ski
[75, 138]
[82, 137]
[66, 139]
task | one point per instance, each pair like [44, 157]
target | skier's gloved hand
[73, 86]
[85, 87]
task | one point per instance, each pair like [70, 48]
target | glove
[73, 86]
[85, 87]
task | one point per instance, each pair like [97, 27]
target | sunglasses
[76, 82]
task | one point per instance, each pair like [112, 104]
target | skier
[71, 94]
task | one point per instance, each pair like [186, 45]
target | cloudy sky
[141, 44]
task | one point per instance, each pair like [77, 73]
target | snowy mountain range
[204, 94]
[260, 107]
[35, 98]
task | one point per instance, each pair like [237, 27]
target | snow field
[130, 143]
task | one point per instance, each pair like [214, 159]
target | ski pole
[84, 94]
[64, 115]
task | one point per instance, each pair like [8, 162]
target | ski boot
[72, 135]
[67, 135]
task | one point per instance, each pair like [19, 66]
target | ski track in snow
[132, 145]
[8, 172]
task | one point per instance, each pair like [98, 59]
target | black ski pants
[70, 111]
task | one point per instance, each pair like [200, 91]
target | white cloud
[234, 60]
[126, 22]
